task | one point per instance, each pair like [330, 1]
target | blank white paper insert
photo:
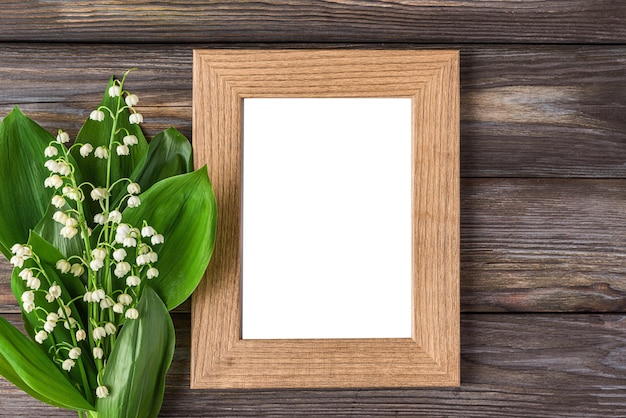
[326, 218]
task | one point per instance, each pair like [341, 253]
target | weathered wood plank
[512, 365]
[528, 21]
[544, 245]
[539, 111]
[532, 245]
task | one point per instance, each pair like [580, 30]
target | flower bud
[102, 392]
[63, 137]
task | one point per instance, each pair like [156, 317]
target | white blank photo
[326, 218]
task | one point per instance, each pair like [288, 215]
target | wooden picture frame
[220, 358]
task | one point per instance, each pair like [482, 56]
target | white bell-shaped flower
[74, 353]
[130, 140]
[85, 150]
[135, 118]
[97, 115]
[102, 392]
[131, 100]
[115, 91]
[132, 313]
[51, 151]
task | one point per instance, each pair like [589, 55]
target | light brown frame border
[221, 80]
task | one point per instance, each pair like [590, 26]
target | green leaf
[24, 364]
[94, 170]
[183, 209]
[135, 371]
[169, 154]
[24, 199]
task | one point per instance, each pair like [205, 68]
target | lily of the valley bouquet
[106, 233]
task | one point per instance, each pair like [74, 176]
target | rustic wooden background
[543, 156]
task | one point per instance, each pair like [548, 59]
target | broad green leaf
[183, 209]
[169, 154]
[135, 372]
[94, 170]
[24, 199]
[36, 373]
[11, 375]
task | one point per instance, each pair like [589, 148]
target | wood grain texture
[527, 21]
[543, 87]
[512, 365]
[222, 79]
[528, 245]
[526, 111]
[544, 245]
